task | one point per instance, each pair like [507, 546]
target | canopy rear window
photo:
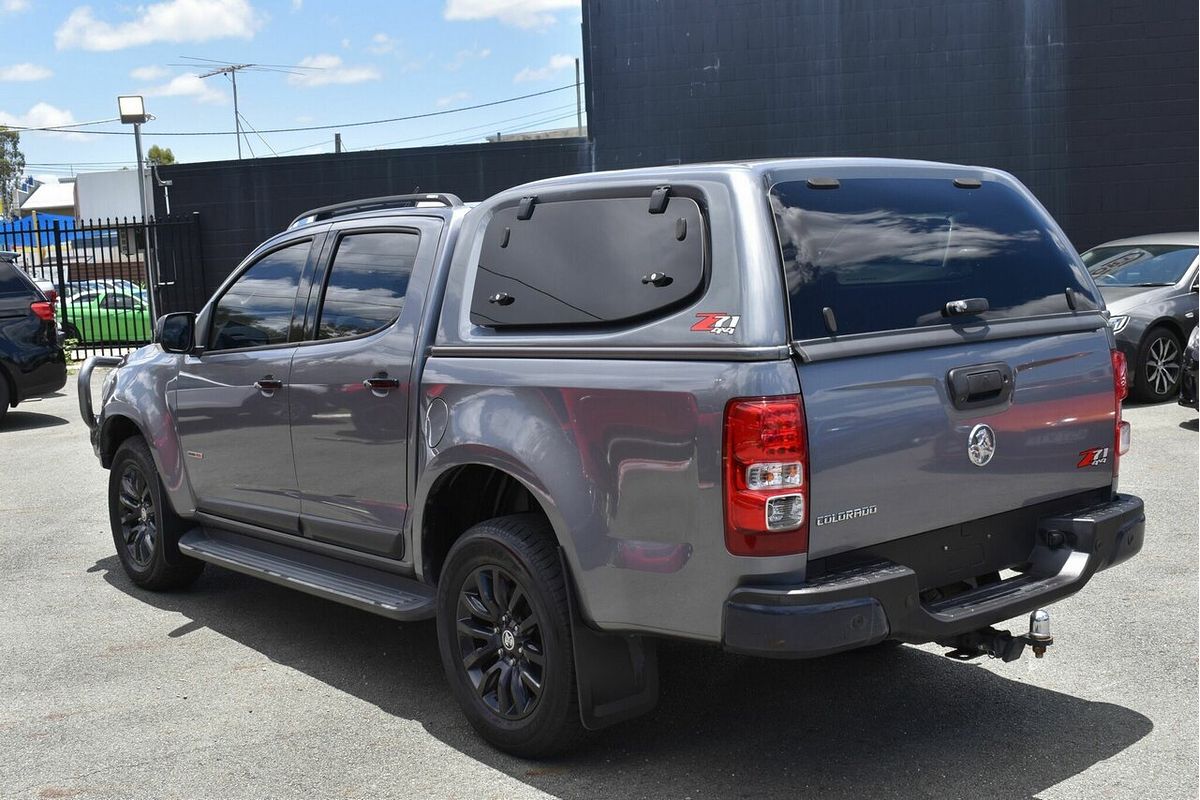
[886, 254]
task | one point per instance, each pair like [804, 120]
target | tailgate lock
[980, 385]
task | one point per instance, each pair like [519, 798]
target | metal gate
[98, 270]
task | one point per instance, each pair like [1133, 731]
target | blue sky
[65, 62]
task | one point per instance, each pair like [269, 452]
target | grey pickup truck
[787, 408]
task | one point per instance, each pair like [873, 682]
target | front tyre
[504, 633]
[1159, 366]
[145, 528]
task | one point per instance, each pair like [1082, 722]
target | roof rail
[375, 204]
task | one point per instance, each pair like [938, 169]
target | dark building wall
[242, 203]
[1093, 104]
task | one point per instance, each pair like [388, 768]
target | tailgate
[890, 451]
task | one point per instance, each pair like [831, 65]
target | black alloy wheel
[138, 517]
[500, 641]
[504, 635]
[145, 529]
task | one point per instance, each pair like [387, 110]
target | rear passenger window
[257, 309]
[12, 281]
[588, 262]
[367, 282]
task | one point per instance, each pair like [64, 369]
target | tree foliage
[160, 155]
[12, 166]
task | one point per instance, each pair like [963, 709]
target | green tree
[160, 155]
[12, 165]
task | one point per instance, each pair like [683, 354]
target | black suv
[32, 362]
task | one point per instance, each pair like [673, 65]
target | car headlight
[1118, 323]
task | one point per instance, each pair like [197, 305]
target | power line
[489, 126]
[426, 115]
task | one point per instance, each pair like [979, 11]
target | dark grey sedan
[1149, 285]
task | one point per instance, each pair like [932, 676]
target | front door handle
[381, 383]
[268, 383]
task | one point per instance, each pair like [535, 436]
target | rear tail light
[1121, 432]
[766, 477]
[43, 309]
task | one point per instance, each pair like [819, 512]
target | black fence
[97, 271]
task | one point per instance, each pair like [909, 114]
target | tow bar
[1002, 644]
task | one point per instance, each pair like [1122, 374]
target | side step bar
[370, 589]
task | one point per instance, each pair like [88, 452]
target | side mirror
[176, 332]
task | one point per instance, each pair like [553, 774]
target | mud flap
[616, 674]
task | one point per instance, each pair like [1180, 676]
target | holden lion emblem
[981, 445]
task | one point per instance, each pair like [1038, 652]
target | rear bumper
[881, 600]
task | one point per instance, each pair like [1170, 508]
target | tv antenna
[231, 70]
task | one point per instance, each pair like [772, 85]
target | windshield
[1139, 264]
[877, 254]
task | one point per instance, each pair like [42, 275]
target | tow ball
[1002, 644]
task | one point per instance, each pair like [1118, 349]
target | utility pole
[578, 101]
[337, 143]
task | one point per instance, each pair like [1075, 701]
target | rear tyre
[1159, 366]
[504, 632]
[71, 332]
[145, 528]
[5, 399]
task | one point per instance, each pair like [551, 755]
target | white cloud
[381, 43]
[519, 13]
[25, 72]
[13, 6]
[345, 43]
[328, 69]
[453, 99]
[150, 73]
[463, 56]
[187, 85]
[297, 5]
[43, 115]
[169, 21]
[557, 63]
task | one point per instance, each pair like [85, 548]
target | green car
[107, 316]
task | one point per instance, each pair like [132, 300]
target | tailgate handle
[980, 385]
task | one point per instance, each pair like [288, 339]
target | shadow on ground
[1192, 424]
[28, 421]
[894, 722]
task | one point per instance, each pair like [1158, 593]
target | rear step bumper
[868, 603]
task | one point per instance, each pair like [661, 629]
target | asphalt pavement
[240, 689]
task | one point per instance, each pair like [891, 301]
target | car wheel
[71, 332]
[1159, 366]
[145, 528]
[504, 633]
[5, 399]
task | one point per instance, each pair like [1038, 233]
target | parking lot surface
[237, 688]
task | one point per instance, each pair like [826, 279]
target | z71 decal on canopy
[1092, 458]
[716, 323]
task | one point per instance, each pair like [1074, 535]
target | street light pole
[133, 110]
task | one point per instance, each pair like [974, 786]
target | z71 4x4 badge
[716, 323]
[1092, 458]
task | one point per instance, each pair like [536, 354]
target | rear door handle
[381, 383]
[268, 383]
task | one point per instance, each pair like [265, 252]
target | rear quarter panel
[625, 456]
